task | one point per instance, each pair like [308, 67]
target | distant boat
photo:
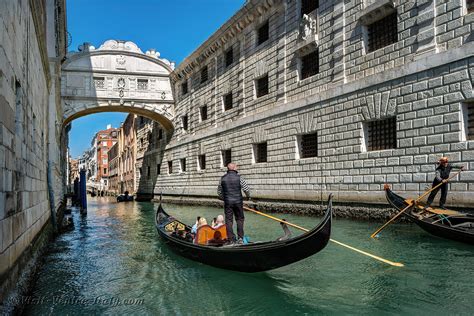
[251, 257]
[439, 222]
[124, 198]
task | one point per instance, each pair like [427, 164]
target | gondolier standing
[230, 190]
[442, 173]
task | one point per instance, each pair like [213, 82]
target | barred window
[204, 74]
[203, 112]
[184, 121]
[309, 145]
[382, 134]
[308, 6]
[142, 84]
[182, 162]
[226, 157]
[160, 134]
[99, 82]
[470, 120]
[263, 33]
[170, 166]
[228, 101]
[262, 86]
[202, 162]
[260, 152]
[310, 64]
[470, 6]
[158, 169]
[184, 87]
[229, 57]
[382, 32]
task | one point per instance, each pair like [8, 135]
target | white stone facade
[424, 80]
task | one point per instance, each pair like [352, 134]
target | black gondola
[442, 223]
[252, 257]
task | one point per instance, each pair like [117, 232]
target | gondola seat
[206, 233]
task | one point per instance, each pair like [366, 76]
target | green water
[115, 253]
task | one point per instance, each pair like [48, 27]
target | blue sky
[173, 28]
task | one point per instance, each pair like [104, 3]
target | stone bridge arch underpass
[117, 77]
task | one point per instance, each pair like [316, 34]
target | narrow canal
[113, 263]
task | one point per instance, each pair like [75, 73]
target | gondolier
[442, 173]
[230, 190]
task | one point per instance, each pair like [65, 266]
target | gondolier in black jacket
[230, 190]
[442, 173]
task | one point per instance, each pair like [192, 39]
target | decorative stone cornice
[251, 10]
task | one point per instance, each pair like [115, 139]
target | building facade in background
[315, 97]
[105, 139]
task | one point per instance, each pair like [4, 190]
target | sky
[174, 28]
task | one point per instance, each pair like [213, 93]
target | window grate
[229, 57]
[383, 32]
[382, 134]
[99, 82]
[182, 162]
[261, 152]
[308, 6]
[262, 86]
[470, 121]
[228, 101]
[170, 166]
[470, 6]
[184, 121]
[158, 169]
[202, 162]
[142, 84]
[310, 64]
[226, 157]
[262, 33]
[204, 74]
[184, 87]
[309, 145]
[203, 112]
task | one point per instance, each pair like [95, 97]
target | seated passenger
[195, 226]
[202, 222]
[217, 240]
[219, 221]
[213, 223]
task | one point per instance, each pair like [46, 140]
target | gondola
[442, 223]
[251, 257]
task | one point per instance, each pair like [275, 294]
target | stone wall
[424, 79]
[29, 107]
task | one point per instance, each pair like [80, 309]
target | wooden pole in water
[395, 264]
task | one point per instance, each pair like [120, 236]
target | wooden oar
[410, 204]
[396, 264]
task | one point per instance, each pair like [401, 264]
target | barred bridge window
[382, 134]
[260, 152]
[310, 64]
[263, 33]
[228, 101]
[203, 112]
[202, 162]
[226, 157]
[99, 82]
[308, 6]
[142, 84]
[170, 166]
[382, 32]
[262, 86]
[204, 74]
[309, 145]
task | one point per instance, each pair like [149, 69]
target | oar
[410, 204]
[396, 264]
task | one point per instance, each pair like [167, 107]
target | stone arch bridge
[117, 77]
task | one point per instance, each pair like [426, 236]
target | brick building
[105, 140]
[336, 96]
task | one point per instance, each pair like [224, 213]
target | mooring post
[82, 191]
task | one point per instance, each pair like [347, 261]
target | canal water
[113, 263]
